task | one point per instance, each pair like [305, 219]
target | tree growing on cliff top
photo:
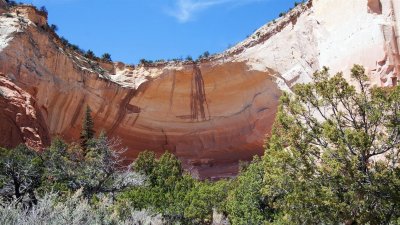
[333, 157]
[54, 27]
[90, 54]
[43, 9]
[106, 57]
[87, 132]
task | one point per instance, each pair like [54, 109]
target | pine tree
[87, 132]
[106, 57]
[90, 54]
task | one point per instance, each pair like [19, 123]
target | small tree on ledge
[87, 132]
[106, 57]
[90, 55]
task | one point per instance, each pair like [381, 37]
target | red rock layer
[21, 120]
[211, 115]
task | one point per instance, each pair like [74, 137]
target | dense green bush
[90, 55]
[145, 62]
[203, 198]
[43, 9]
[175, 195]
[21, 173]
[205, 55]
[189, 58]
[11, 3]
[53, 27]
[106, 57]
[333, 157]
[65, 42]
[246, 203]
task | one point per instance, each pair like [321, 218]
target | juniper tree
[245, 202]
[99, 171]
[54, 27]
[43, 9]
[102, 170]
[176, 195]
[87, 132]
[333, 157]
[106, 57]
[90, 54]
[21, 171]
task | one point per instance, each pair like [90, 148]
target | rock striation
[21, 120]
[210, 113]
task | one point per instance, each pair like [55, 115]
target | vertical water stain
[123, 110]
[198, 100]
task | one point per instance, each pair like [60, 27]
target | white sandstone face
[332, 33]
[8, 27]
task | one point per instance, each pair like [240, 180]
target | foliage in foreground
[333, 157]
[76, 210]
[177, 196]
[245, 203]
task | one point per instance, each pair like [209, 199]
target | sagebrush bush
[75, 210]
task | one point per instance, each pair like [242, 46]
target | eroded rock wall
[332, 33]
[210, 113]
[21, 119]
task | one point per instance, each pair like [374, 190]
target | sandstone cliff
[210, 113]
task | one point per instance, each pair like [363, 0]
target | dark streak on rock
[133, 108]
[134, 122]
[262, 109]
[77, 112]
[123, 110]
[164, 147]
[172, 91]
[198, 100]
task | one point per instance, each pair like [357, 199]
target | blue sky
[159, 29]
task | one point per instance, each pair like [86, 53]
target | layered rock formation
[210, 113]
[21, 120]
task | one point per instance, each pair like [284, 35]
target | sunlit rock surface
[211, 113]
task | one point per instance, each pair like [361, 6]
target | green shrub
[75, 209]
[246, 203]
[206, 54]
[106, 57]
[90, 54]
[21, 171]
[53, 27]
[11, 3]
[333, 154]
[43, 9]
[65, 42]
[145, 62]
[189, 58]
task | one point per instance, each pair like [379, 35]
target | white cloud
[185, 9]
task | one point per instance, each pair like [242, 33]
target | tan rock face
[212, 113]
